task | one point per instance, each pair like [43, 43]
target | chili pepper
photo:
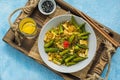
[66, 44]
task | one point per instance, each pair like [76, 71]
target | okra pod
[84, 37]
[70, 63]
[56, 61]
[51, 50]
[61, 28]
[78, 59]
[48, 44]
[73, 21]
[82, 27]
[71, 38]
[64, 52]
[76, 48]
[84, 34]
[64, 57]
[69, 58]
[82, 46]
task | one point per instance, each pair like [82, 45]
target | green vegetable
[76, 48]
[82, 46]
[73, 21]
[64, 57]
[71, 38]
[56, 61]
[83, 34]
[82, 27]
[69, 58]
[61, 28]
[70, 63]
[84, 37]
[64, 52]
[48, 44]
[51, 50]
[78, 59]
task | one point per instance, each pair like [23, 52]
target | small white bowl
[55, 22]
[40, 7]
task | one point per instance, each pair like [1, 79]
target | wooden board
[97, 64]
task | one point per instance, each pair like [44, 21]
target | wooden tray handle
[9, 18]
[26, 11]
[14, 27]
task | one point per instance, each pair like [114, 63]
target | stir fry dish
[67, 43]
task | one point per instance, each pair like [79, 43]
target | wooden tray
[29, 47]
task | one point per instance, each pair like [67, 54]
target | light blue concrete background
[16, 66]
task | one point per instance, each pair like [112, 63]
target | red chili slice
[66, 44]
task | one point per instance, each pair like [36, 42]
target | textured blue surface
[106, 12]
[16, 66]
[13, 64]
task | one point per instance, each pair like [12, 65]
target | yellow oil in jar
[27, 26]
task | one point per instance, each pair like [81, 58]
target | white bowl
[92, 44]
[41, 10]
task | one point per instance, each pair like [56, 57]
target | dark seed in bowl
[47, 6]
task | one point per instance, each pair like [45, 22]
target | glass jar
[28, 28]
